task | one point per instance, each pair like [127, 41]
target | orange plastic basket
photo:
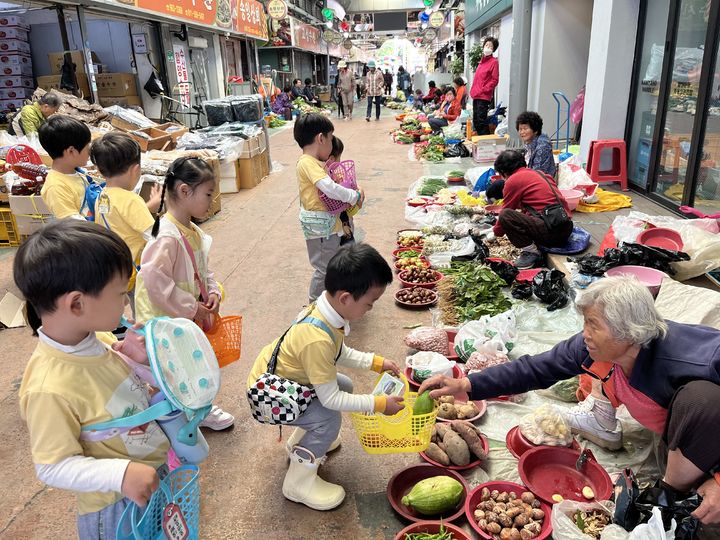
[226, 339]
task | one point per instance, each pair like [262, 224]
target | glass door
[674, 139]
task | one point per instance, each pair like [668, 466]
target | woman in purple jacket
[667, 374]
[282, 106]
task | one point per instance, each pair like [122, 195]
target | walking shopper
[388, 82]
[534, 211]
[538, 148]
[374, 83]
[486, 79]
[403, 80]
[346, 87]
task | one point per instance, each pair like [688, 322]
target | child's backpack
[183, 366]
[92, 192]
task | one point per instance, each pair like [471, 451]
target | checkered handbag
[276, 400]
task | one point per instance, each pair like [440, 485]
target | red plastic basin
[473, 500]
[433, 527]
[661, 237]
[403, 481]
[549, 470]
[517, 444]
[471, 465]
[430, 285]
[452, 355]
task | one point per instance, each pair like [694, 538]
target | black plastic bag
[480, 254]
[635, 254]
[506, 270]
[522, 291]
[246, 109]
[625, 495]
[218, 112]
[549, 287]
[456, 150]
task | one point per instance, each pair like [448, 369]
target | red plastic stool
[618, 172]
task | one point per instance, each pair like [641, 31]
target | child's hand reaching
[133, 346]
[389, 365]
[139, 483]
[394, 405]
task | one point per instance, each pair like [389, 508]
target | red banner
[251, 19]
[201, 11]
[308, 38]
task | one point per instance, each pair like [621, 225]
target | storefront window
[707, 192]
[677, 143]
[646, 98]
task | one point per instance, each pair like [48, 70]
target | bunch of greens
[276, 122]
[430, 186]
[476, 291]
[410, 125]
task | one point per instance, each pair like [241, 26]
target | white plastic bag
[427, 338]
[427, 364]
[546, 425]
[502, 128]
[563, 518]
[653, 529]
[498, 331]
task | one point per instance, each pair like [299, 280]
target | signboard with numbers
[199, 11]
[251, 19]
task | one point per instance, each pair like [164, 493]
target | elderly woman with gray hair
[667, 374]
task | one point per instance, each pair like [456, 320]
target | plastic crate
[8, 228]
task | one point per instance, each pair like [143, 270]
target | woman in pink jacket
[486, 79]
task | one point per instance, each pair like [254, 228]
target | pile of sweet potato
[455, 443]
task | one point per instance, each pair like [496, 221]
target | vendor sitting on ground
[32, 116]
[308, 93]
[282, 106]
[667, 374]
[418, 100]
[538, 148]
[448, 111]
[534, 211]
[434, 94]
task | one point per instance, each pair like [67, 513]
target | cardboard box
[12, 311]
[14, 32]
[253, 146]
[228, 177]
[14, 20]
[250, 171]
[57, 58]
[125, 101]
[174, 130]
[14, 45]
[16, 93]
[52, 82]
[151, 139]
[488, 147]
[17, 82]
[30, 213]
[11, 104]
[14, 59]
[116, 84]
[19, 69]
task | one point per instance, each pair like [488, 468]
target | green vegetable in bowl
[442, 535]
[456, 174]
[408, 254]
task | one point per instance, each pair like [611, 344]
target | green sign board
[479, 13]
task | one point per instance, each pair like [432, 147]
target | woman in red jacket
[486, 79]
[448, 111]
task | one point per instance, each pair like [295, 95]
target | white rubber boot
[303, 485]
[299, 433]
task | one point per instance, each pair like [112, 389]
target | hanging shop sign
[203, 12]
[348, 44]
[181, 73]
[328, 36]
[277, 9]
[437, 19]
[281, 34]
[308, 38]
[335, 49]
[250, 19]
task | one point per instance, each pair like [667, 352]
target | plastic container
[473, 500]
[517, 444]
[9, 235]
[650, 277]
[403, 481]
[471, 465]
[423, 261]
[661, 237]
[480, 404]
[171, 425]
[572, 196]
[493, 208]
[550, 470]
[397, 252]
[424, 305]
[433, 527]
[226, 339]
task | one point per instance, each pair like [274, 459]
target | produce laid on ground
[305, 107]
[591, 523]
[502, 248]
[470, 291]
[456, 443]
[505, 516]
[410, 238]
[456, 176]
[417, 296]
[430, 186]
[411, 262]
[452, 410]
[428, 339]
[420, 275]
[275, 121]
[434, 496]
[431, 150]
[444, 534]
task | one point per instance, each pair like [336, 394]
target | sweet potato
[441, 430]
[456, 448]
[471, 438]
[435, 453]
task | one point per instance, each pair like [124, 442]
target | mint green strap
[162, 408]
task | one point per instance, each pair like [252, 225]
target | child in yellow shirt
[118, 207]
[67, 142]
[73, 379]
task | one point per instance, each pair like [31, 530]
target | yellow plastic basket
[403, 432]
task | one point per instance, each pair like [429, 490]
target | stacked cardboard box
[56, 59]
[16, 84]
[117, 89]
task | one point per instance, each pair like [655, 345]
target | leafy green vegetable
[442, 535]
[408, 254]
[455, 173]
[431, 186]
[436, 140]
[477, 291]
[579, 521]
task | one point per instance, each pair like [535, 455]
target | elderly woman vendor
[667, 374]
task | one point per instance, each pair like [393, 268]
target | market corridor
[259, 255]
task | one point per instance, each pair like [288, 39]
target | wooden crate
[156, 139]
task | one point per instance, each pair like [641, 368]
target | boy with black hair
[118, 208]
[67, 142]
[356, 278]
[314, 133]
[74, 276]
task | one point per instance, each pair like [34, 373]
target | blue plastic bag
[484, 181]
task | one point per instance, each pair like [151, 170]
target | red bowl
[397, 252]
[433, 527]
[493, 208]
[480, 404]
[403, 481]
[517, 444]
[456, 179]
[431, 285]
[474, 499]
[416, 306]
[411, 202]
[661, 237]
[471, 465]
[452, 355]
[457, 373]
[425, 262]
[549, 470]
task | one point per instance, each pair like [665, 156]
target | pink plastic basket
[342, 172]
